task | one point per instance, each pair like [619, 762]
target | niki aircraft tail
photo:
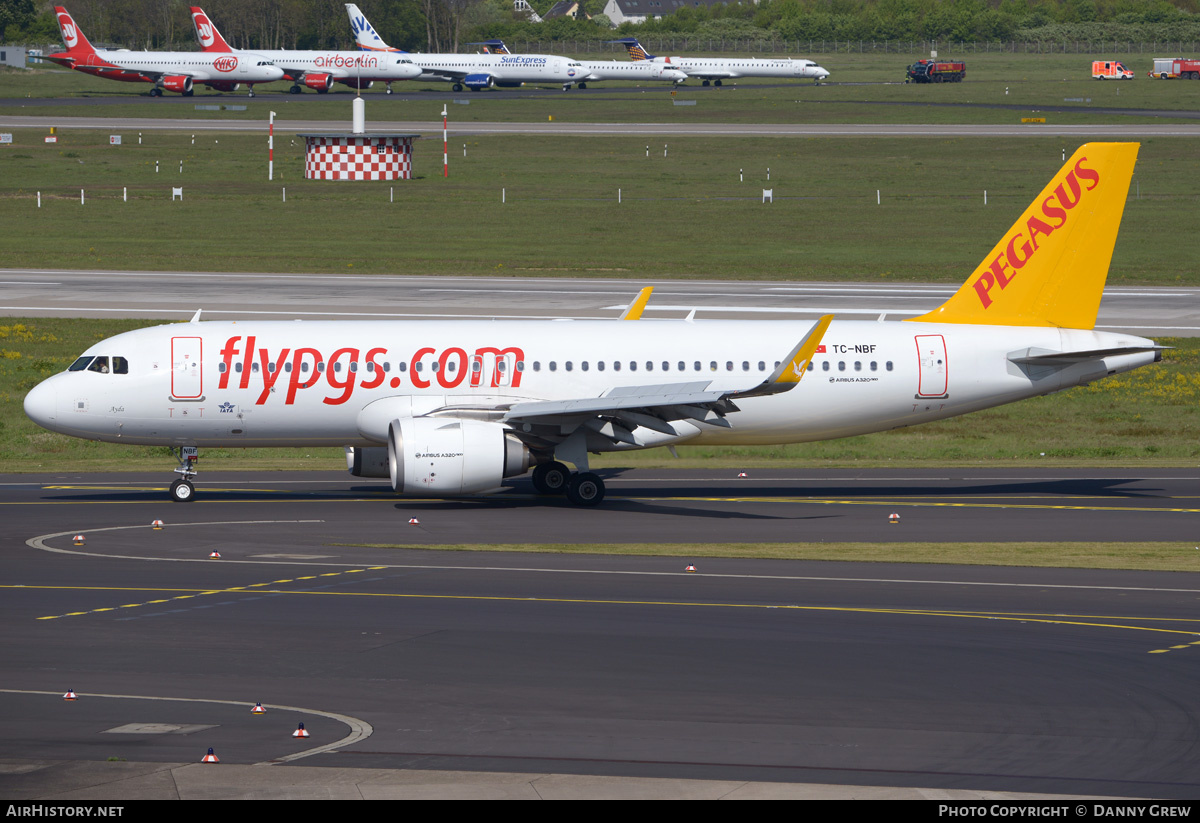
[1050, 267]
[206, 32]
[72, 37]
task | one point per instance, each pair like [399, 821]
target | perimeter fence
[757, 47]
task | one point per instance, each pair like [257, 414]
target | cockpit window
[80, 364]
[120, 365]
[100, 364]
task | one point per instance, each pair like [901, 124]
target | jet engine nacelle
[177, 82]
[368, 461]
[320, 82]
[440, 456]
[225, 86]
[475, 82]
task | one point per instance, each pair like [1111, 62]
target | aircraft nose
[41, 404]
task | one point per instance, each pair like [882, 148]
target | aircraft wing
[618, 411]
[446, 74]
[299, 71]
[710, 74]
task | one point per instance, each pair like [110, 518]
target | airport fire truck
[1171, 68]
[936, 71]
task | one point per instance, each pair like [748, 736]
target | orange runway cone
[893, 518]
[414, 521]
[78, 539]
[214, 555]
[210, 757]
[258, 709]
[157, 524]
[70, 695]
[690, 568]
[300, 732]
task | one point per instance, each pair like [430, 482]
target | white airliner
[718, 69]
[474, 71]
[446, 408]
[170, 70]
[315, 69]
[597, 70]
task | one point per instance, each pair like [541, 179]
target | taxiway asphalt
[410, 662]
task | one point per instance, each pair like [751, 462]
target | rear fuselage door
[933, 380]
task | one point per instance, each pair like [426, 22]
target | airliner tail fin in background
[636, 52]
[364, 33]
[72, 37]
[1050, 267]
[210, 39]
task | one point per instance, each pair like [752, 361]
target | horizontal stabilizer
[1042, 357]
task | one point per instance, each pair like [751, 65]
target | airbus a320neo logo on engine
[228, 63]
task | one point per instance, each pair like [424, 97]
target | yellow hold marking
[1049, 269]
[634, 312]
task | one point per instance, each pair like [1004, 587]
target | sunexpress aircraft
[447, 408]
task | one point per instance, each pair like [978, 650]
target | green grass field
[685, 215]
[867, 89]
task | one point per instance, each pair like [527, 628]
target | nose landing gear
[183, 490]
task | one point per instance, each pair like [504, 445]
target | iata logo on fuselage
[227, 63]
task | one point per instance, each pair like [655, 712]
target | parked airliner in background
[447, 408]
[171, 70]
[474, 71]
[493, 46]
[315, 69]
[717, 69]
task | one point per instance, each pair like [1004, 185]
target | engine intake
[475, 82]
[368, 461]
[434, 457]
[177, 82]
[320, 82]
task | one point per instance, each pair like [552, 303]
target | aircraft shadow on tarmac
[640, 497]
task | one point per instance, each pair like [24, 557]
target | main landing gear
[581, 488]
[183, 490]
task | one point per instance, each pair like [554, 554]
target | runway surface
[879, 675]
[1147, 311]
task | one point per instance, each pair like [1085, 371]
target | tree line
[446, 25]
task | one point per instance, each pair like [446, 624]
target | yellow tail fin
[1050, 268]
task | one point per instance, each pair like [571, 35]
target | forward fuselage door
[933, 380]
[187, 381]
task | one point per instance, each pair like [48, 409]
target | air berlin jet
[316, 69]
[446, 408]
[171, 70]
